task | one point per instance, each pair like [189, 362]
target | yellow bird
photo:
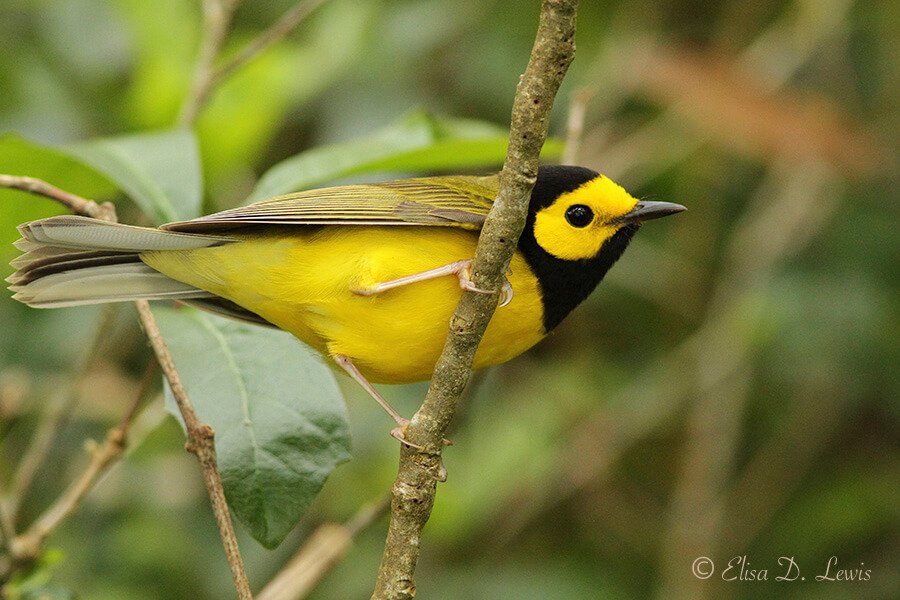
[368, 275]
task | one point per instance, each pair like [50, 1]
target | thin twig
[324, 548]
[207, 77]
[200, 441]
[216, 18]
[575, 124]
[7, 528]
[48, 428]
[199, 435]
[27, 546]
[62, 402]
[287, 23]
[414, 489]
[76, 204]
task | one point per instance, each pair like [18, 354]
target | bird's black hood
[564, 284]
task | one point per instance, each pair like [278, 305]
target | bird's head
[575, 211]
[579, 224]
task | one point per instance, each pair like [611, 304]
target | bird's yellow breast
[302, 280]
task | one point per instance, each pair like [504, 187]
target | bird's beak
[645, 210]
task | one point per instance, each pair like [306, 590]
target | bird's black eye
[579, 215]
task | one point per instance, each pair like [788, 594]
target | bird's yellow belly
[303, 280]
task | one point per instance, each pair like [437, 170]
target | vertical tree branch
[414, 489]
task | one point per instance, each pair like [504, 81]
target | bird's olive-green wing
[449, 201]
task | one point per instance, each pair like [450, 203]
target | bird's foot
[463, 273]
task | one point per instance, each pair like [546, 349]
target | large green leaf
[417, 142]
[280, 422]
[159, 171]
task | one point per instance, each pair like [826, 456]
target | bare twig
[324, 548]
[218, 17]
[7, 528]
[48, 428]
[27, 546]
[414, 489]
[200, 441]
[575, 125]
[287, 23]
[76, 204]
[62, 401]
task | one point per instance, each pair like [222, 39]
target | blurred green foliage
[731, 389]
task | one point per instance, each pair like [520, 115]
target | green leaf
[417, 142]
[21, 157]
[159, 171]
[280, 422]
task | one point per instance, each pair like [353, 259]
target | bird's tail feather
[71, 260]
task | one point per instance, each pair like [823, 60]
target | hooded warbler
[366, 274]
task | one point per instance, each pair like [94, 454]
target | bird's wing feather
[448, 201]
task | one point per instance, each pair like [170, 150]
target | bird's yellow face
[577, 224]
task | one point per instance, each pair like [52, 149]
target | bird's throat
[564, 283]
